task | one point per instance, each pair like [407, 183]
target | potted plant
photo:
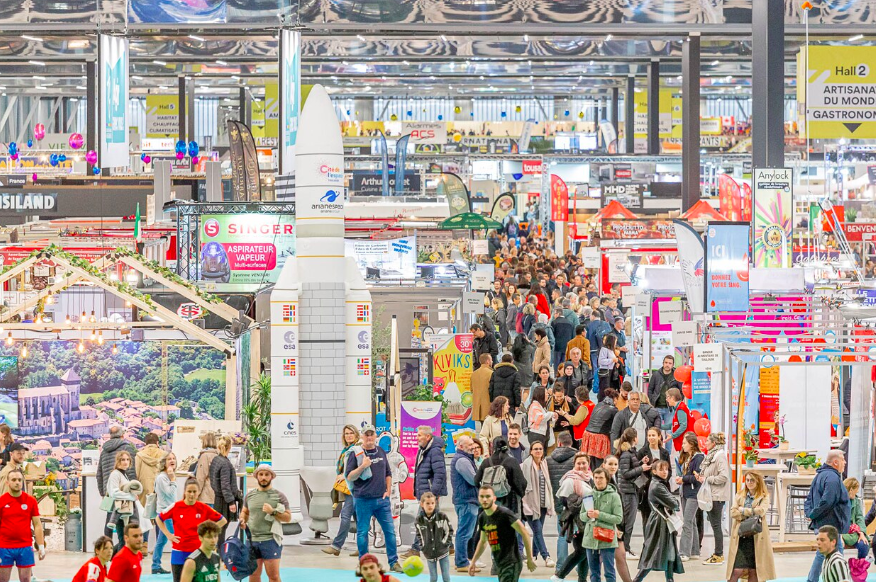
[750, 440]
[256, 416]
[778, 439]
[806, 463]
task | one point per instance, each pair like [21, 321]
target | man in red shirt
[126, 566]
[94, 570]
[18, 511]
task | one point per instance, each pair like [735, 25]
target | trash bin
[73, 533]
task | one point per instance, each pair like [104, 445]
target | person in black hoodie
[630, 471]
[560, 462]
[523, 351]
[649, 453]
[563, 334]
[436, 532]
[516, 482]
[505, 381]
[484, 343]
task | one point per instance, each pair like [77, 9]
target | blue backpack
[236, 553]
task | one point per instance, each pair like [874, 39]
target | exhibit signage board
[385, 259]
[114, 122]
[162, 117]
[773, 210]
[371, 183]
[413, 416]
[629, 194]
[727, 267]
[842, 91]
[62, 201]
[637, 228]
[425, 132]
[290, 105]
[452, 368]
[245, 248]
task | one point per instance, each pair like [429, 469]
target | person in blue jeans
[349, 440]
[828, 503]
[166, 494]
[371, 476]
[463, 471]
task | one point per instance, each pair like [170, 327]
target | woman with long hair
[630, 472]
[538, 502]
[165, 496]
[715, 474]
[661, 544]
[543, 304]
[349, 439]
[497, 421]
[650, 452]
[124, 502]
[596, 441]
[543, 379]
[6, 441]
[528, 318]
[557, 403]
[857, 536]
[689, 460]
[578, 482]
[540, 420]
[202, 468]
[751, 554]
[606, 361]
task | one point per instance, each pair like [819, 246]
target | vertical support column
[181, 108]
[859, 422]
[654, 107]
[767, 84]
[91, 109]
[630, 114]
[245, 100]
[190, 101]
[615, 113]
[690, 119]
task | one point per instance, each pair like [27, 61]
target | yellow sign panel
[842, 91]
[162, 116]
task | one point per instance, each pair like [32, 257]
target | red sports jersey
[125, 566]
[91, 571]
[186, 519]
[16, 515]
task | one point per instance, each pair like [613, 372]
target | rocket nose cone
[319, 131]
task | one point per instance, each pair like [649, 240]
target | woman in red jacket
[94, 570]
[543, 306]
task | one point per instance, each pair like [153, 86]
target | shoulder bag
[603, 534]
[704, 497]
[151, 507]
[750, 526]
[673, 520]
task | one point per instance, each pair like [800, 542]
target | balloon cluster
[182, 150]
[145, 158]
[13, 150]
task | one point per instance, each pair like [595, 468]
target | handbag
[603, 372]
[750, 526]
[341, 485]
[106, 504]
[151, 507]
[674, 521]
[704, 497]
[603, 534]
[641, 481]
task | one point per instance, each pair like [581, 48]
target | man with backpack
[502, 473]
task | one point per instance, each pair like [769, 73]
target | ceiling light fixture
[360, 37]
[525, 38]
[38, 63]
[162, 63]
[607, 38]
[222, 63]
[443, 38]
[197, 38]
[39, 78]
[33, 38]
[856, 37]
[716, 63]
[81, 88]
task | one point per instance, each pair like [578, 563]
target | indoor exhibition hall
[437, 290]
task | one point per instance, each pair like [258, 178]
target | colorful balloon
[196, 159]
[180, 147]
[53, 160]
[62, 158]
[91, 157]
[96, 170]
[13, 148]
[30, 143]
[146, 159]
[695, 415]
[704, 443]
[687, 390]
[142, 156]
[34, 177]
[180, 155]
[682, 373]
[39, 131]
[703, 427]
[76, 141]
[193, 149]
[14, 156]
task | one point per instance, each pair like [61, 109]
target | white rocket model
[343, 300]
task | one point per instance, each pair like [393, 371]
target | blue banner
[701, 392]
[384, 158]
[727, 267]
[401, 154]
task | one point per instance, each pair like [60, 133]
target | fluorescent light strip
[38, 63]
[222, 63]
[33, 38]
[162, 63]
[197, 38]
[856, 37]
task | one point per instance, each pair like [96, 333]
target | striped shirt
[835, 569]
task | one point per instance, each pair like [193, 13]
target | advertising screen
[245, 248]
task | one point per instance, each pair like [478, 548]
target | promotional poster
[451, 376]
[727, 268]
[773, 212]
[245, 248]
[413, 416]
[385, 259]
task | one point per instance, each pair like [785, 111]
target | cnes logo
[290, 430]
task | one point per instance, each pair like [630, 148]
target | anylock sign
[425, 132]
[531, 167]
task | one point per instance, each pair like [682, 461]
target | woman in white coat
[714, 475]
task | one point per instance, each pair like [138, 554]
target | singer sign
[425, 132]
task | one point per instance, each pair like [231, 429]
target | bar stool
[796, 519]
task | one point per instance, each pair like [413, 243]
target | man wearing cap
[371, 476]
[17, 454]
[263, 507]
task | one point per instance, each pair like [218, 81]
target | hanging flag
[503, 206]
[691, 255]
[245, 180]
[137, 233]
[452, 186]
[559, 199]
[401, 154]
[526, 136]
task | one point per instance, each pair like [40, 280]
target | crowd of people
[563, 437]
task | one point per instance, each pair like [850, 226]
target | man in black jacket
[560, 462]
[662, 380]
[505, 381]
[484, 343]
[513, 473]
[636, 415]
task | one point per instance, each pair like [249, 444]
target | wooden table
[779, 454]
[784, 479]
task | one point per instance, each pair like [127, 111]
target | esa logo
[363, 338]
[211, 227]
[289, 340]
[290, 431]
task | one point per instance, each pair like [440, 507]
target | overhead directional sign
[842, 91]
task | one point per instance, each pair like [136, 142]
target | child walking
[437, 535]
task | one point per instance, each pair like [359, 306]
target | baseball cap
[17, 447]
[369, 558]
[368, 428]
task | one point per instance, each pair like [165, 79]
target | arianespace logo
[328, 203]
[330, 196]
[333, 174]
[211, 227]
[289, 340]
